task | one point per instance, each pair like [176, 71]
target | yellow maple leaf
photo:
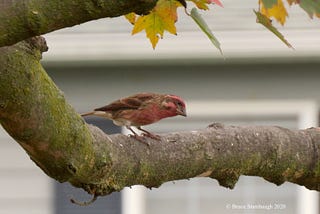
[153, 26]
[162, 18]
[204, 4]
[265, 21]
[131, 17]
[201, 4]
[278, 11]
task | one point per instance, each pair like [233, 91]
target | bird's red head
[175, 105]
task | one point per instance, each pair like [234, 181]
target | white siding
[24, 187]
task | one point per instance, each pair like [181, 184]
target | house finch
[141, 109]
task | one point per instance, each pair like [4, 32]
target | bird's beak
[182, 112]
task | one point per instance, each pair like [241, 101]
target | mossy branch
[24, 19]
[35, 113]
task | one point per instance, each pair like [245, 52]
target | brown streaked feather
[107, 115]
[87, 113]
[128, 103]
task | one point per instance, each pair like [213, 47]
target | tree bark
[24, 19]
[35, 113]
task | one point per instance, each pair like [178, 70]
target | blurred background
[258, 81]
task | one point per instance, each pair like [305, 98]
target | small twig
[85, 203]
[186, 11]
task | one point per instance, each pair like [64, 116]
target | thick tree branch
[220, 152]
[34, 112]
[24, 19]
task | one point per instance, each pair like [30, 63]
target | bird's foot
[145, 133]
[142, 139]
[152, 136]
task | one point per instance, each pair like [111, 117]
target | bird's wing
[132, 102]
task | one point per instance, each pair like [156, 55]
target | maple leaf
[269, 3]
[162, 18]
[201, 4]
[265, 21]
[217, 2]
[312, 7]
[274, 8]
[205, 28]
[204, 4]
[131, 17]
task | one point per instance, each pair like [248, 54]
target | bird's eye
[179, 104]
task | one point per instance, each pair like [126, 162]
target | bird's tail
[87, 114]
[98, 113]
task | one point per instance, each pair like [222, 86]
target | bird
[141, 109]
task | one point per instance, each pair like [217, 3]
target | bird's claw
[152, 136]
[142, 139]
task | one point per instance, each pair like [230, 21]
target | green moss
[36, 114]
[317, 170]
[35, 21]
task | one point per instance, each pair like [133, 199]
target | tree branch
[24, 19]
[220, 152]
[34, 112]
